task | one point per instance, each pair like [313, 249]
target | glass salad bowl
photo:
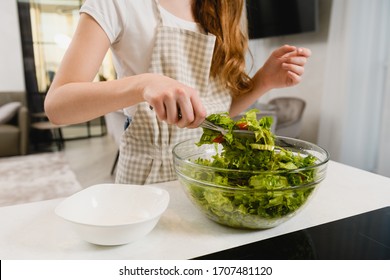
[258, 198]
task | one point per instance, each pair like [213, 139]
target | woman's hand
[173, 102]
[283, 68]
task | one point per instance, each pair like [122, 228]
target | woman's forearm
[242, 102]
[82, 101]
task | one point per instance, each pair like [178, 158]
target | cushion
[8, 111]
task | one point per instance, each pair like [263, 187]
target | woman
[179, 57]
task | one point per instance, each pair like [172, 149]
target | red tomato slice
[218, 139]
[243, 126]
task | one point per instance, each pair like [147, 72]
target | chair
[289, 111]
[115, 123]
[14, 124]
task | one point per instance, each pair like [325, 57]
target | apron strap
[158, 12]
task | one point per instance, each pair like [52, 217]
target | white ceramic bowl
[114, 214]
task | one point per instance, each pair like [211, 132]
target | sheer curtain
[355, 112]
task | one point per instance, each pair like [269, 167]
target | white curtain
[355, 109]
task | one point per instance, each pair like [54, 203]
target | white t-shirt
[130, 26]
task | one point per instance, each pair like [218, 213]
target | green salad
[246, 198]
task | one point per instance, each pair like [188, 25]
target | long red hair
[223, 18]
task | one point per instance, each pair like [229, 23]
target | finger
[160, 110]
[298, 52]
[199, 112]
[282, 51]
[171, 111]
[293, 78]
[197, 121]
[297, 60]
[186, 113]
[185, 107]
[297, 69]
[304, 52]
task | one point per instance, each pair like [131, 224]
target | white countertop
[33, 231]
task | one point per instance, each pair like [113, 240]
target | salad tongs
[209, 125]
[223, 131]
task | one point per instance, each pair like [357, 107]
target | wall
[11, 58]
[310, 89]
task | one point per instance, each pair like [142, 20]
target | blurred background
[346, 86]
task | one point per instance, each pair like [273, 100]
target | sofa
[14, 124]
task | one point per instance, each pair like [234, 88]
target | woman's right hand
[173, 102]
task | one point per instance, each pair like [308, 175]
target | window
[47, 27]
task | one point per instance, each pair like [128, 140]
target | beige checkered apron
[146, 146]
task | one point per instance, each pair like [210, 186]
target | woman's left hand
[283, 68]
